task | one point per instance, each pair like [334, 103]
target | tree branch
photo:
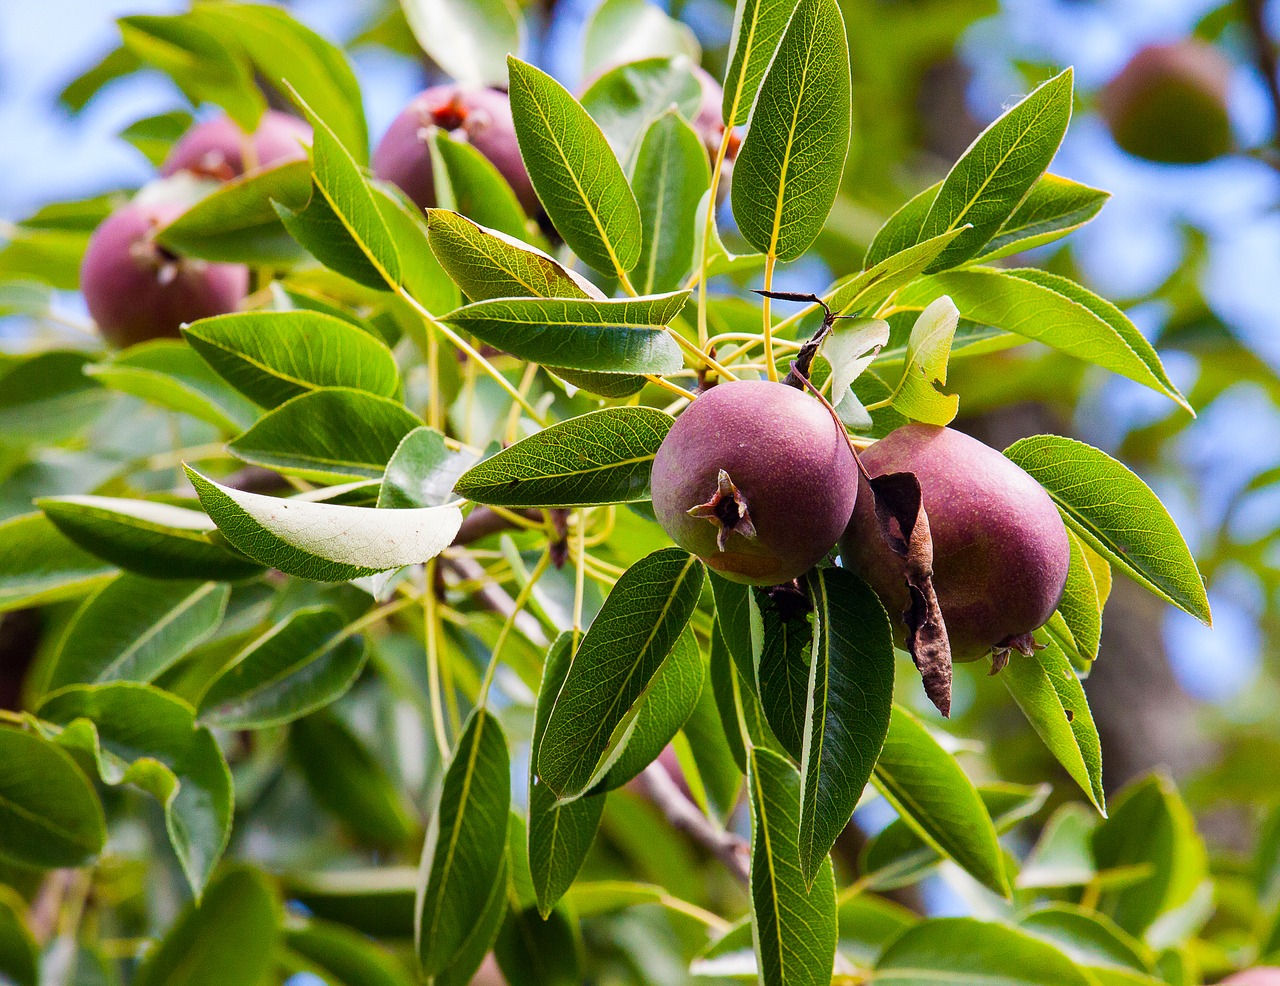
[494, 597]
[684, 816]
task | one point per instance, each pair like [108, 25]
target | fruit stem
[626, 284]
[853, 449]
[658, 381]
[770, 366]
[716, 169]
[704, 358]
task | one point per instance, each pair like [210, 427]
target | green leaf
[627, 99]
[328, 435]
[155, 135]
[135, 629]
[137, 734]
[758, 26]
[1053, 208]
[291, 56]
[1149, 825]
[236, 223]
[49, 813]
[718, 258]
[559, 834]
[39, 566]
[617, 335]
[1050, 695]
[199, 64]
[375, 900]
[621, 31]
[788, 172]
[986, 186]
[469, 39]
[601, 457]
[671, 176]
[167, 372]
[350, 202]
[537, 951]
[422, 472]
[847, 715]
[19, 954]
[116, 64]
[713, 755]
[574, 171]
[1063, 854]
[229, 938]
[325, 542]
[420, 272]
[301, 664]
[1094, 942]
[487, 263]
[614, 666]
[968, 950]
[868, 924]
[480, 191]
[1077, 625]
[273, 356]
[931, 793]
[465, 843]
[783, 642]
[48, 397]
[1052, 310]
[462, 970]
[868, 289]
[1117, 515]
[795, 928]
[663, 709]
[348, 956]
[925, 368]
[347, 780]
[148, 538]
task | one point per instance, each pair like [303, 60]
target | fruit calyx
[1024, 643]
[728, 510]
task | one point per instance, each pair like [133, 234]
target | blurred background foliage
[1191, 252]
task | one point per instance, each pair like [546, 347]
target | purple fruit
[1261, 976]
[137, 290]
[1169, 103]
[216, 148]
[1000, 550]
[481, 116]
[757, 480]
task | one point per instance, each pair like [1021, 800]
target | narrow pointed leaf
[1080, 607]
[989, 182]
[158, 540]
[602, 457]
[49, 813]
[758, 26]
[469, 39]
[422, 472]
[38, 565]
[794, 927]
[533, 950]
[135, 628]
[1117, 515]
[917, 394]
[788, 171]
[1053, 208]
[273, 356]
[847, 716]
[931, 793]
[326, 542]
[19, 954]
[627, 98]
[671, 175]
[465, 844]
[329, 435]
[787, 634]
[559, 834]
[616, 336]
[621, 31]
[901, 231]
[574, 171]
[299, 665]
[614, 666]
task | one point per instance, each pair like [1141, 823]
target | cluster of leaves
[361, 647]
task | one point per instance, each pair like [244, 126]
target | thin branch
[684, 816]
[494, 597]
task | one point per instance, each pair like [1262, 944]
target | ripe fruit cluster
[758, 480]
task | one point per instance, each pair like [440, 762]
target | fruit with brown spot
[1000, 549]
[757, 480]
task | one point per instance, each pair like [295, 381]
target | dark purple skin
[482, 116]
[215, 149]
[137, 290]
[790, 463]
[1000, 549]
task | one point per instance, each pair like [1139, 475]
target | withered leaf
[904, 523]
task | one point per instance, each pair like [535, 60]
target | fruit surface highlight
[1169, 103]
[1000, 549]
[482, 116]
[137, 290]
[216, 148]
[756, 479]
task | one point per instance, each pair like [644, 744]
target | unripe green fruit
[1169, 103]
[1261, 976]
[216, 148]
[137, 290]
[482, 116]
[1000, 550]
[757, 480]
